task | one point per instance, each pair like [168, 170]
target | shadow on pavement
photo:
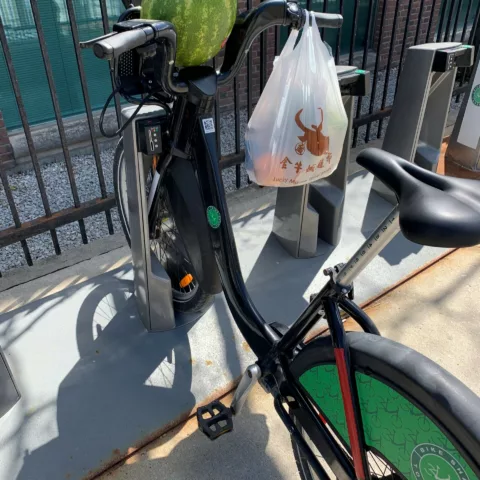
[275, 285]
[121, 373]
[376, 211]
[240, 455]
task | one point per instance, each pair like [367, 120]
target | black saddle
[434, 210]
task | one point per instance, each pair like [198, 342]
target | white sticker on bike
[208, 125]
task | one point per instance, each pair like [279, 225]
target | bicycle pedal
[214, 419]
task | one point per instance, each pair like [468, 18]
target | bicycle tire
[416, 416]
[198, 298]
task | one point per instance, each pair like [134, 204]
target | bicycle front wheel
[166, 242]
[419, 422]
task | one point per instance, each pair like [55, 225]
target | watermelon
[202, 25]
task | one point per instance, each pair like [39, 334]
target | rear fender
[190, 216]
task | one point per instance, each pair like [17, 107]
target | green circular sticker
[431, 462]
[476, 96]
[213, 216]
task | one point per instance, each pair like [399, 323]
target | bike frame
[274, 351]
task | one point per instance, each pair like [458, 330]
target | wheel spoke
[170, 250]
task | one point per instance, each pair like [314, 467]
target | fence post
[6, 151]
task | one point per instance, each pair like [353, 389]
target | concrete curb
[46, 266]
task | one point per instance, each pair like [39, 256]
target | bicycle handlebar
[131, 34]
[267, 14]
[112, 47]
[328, 20]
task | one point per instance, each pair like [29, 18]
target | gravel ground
[27, 198]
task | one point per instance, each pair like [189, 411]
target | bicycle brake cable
[127, 123]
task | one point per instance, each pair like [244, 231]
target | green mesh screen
[27, 59]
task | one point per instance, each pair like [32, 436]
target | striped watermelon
[202, 25]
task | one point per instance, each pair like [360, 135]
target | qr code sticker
[209, 125]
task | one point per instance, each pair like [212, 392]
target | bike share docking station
[414, 132]
[422, 102]
[142, 139]
[464, 144]
[304, 214]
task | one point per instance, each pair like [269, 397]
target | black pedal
[214, 419]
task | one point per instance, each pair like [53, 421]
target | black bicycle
[356, 404]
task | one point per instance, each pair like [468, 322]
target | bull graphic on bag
[313, 138]
[282, 147]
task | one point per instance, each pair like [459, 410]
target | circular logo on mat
[431, 462]
[476, 95]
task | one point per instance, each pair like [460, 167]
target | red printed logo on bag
[312, 139]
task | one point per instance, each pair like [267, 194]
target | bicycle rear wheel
[419, 421]
[166, 242]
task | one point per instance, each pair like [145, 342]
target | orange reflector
[155, 162]
[186, 281]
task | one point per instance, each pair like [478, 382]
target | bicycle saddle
[434, 210]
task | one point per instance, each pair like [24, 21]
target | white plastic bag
[296, 133]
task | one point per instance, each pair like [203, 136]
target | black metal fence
[20, 232]
[452, 20]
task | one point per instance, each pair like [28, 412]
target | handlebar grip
[112, 47]
[328, 20]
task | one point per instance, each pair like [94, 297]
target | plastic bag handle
[316, 31]
[290, 44]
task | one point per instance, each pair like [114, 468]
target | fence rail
[391, 27]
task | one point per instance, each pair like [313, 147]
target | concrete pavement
[436, 312]
[83, 360]
[258, 448]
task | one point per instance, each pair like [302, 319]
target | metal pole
[88, 108]
[31, 147]
[58, 113]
